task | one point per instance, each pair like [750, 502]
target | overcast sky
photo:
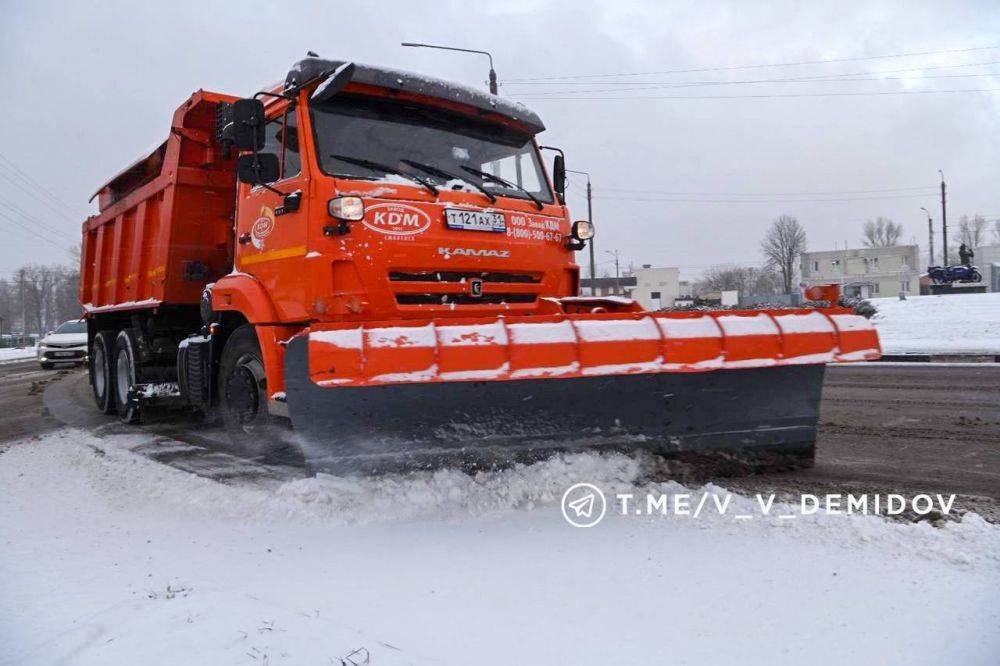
[90, 86]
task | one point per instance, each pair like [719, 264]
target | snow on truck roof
[397, 79]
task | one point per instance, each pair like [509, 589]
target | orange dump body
[164, 228]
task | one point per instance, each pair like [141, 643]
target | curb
[941, 358]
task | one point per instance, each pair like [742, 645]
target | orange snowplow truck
[382, 260]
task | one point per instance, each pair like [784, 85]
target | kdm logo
[473, 252]
[396, 219]
[262, 227]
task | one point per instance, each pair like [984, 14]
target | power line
[811, 77]
[769, 194]
[765, 201]
[774, 95]
[546, 93]
[758, 66]
[20, 211]
[23, 227]
[46, 196]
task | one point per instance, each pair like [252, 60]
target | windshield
[72, 327]
[398, 135]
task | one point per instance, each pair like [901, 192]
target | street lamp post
[590, 218]
[493, 74]
[944, 223]
[930, 236]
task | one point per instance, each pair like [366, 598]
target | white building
[865, 272]
[656, 288]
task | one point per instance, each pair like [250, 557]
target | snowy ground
[110, 558]
[960, 324]
[8, 354]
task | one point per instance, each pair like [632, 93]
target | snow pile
[958, 324]
[110, 558]
[10, 354]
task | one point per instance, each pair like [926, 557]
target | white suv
[66, 344]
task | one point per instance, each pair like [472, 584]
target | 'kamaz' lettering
[473, 252]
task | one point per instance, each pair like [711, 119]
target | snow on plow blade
[675, 383]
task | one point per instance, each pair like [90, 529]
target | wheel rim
[100, 370]
[243, 389]
[123, 374]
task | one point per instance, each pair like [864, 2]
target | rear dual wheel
[125, 375]
[101, 355]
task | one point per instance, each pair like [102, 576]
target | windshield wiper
[497, 179]
[441, 173]
[376, 166]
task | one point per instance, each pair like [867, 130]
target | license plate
[63, 354]
[474, 220]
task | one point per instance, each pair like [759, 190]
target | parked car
[66, 344]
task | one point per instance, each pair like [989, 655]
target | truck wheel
[125, 375]
[100, 371]
[243, 394]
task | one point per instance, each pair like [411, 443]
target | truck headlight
[346, 208]
[582, 230]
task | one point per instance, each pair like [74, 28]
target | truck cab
[400, 196]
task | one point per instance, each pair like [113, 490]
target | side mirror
[245, 126]
[559, 177]
[258, 168]
[336, 81]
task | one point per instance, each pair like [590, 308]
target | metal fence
[15, 340]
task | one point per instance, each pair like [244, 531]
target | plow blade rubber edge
[759, 411]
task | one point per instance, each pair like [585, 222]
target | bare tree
[784, 241]
[996, 231]
[744, 279]
[972, 232]
[883, 232]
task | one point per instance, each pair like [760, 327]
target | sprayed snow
[958, 324]
[162, 390]
[133, 561]
[624, 368]
[552, 371]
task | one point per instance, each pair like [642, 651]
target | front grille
[69, 345]
[463, 299]
[461, 276]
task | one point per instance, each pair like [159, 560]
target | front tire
[243, 394]
[125, 375]
[100, 371]
[47, 366]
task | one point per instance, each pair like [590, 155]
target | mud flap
[762, 411]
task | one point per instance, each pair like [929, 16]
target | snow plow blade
[685, 385]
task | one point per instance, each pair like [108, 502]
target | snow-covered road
[12, 354]
[110, 558]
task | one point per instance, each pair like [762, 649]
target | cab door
[271, 227]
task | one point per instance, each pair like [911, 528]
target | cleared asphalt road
[883, 428]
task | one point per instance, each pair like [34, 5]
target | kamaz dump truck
[383, 260]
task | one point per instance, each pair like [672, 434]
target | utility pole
[590, 218]
[493, 74]
[24, 302]
[944, 223]
[930, 236]
[618, 282]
